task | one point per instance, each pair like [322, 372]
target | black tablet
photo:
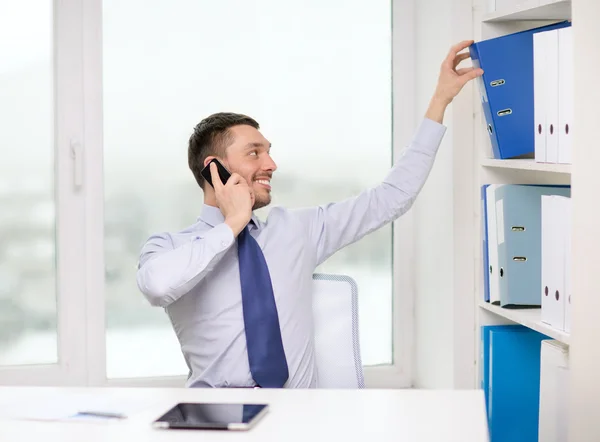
[204, 416]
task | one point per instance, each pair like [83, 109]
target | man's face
[249, 156]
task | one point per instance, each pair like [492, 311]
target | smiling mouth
[264, 183]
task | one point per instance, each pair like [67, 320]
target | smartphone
[210, 416]
[223, 172]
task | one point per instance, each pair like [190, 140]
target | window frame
[80, 210]
[400, 373]
[70, 202]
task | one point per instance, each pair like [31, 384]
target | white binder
[553, 258]
[494, 268]
[568, 288]
[539, 95]
[551, 84]
[565, 94]
[554, 396]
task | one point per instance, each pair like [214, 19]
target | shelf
[532, 10]
[530, 318]
[527, 164]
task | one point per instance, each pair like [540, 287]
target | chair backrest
[337, 350]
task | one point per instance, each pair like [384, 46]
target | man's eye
[254, 152]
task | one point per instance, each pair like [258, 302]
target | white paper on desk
[66, 406]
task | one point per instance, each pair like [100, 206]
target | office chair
[335, 314]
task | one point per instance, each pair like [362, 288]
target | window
[28, 310]
[317, 82]
[97, 102]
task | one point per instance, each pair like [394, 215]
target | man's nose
[269, 164]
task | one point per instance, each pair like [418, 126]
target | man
[238, 290]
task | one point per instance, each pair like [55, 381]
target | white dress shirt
[194, 274]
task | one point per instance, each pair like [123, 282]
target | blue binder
[484, 357]
[514, 384]
[485, 252]
[519, 218]
[506, 89]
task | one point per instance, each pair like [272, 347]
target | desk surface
[295, 415]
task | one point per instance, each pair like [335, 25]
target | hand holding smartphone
[235, 200]
[223, 172]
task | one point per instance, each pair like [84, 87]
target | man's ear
[208, 160]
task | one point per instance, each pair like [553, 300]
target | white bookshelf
[474, 167]
[531, 318]
[532, 10]
[526, 164]
[526, 15]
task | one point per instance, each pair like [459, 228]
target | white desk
[295, 415]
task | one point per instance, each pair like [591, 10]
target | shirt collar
[212, 216]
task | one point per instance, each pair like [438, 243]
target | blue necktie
[263, 335]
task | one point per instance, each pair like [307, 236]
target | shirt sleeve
[336, 225]
[166, 273]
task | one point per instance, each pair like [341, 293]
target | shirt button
[223, 243]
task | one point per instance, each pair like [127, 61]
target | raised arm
[336, 225]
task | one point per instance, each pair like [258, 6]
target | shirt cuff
[428, 137]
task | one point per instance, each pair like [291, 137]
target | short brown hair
[211, 137]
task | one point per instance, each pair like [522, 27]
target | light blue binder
[514, 384]
[519, 218]
[506, 90]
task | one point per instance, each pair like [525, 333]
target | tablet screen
[198, 415]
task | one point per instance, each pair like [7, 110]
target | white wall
[434, 214]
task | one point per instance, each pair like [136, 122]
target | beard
[261, 201]
[262, 197]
